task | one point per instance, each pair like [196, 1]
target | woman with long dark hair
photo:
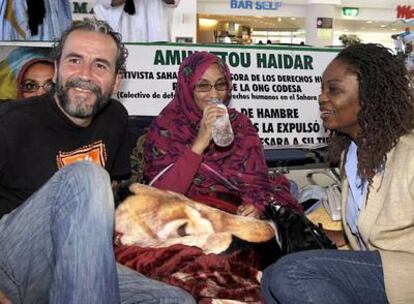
[367, 102]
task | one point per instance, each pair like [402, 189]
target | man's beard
[79, 109]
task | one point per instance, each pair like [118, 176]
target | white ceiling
[298, 24]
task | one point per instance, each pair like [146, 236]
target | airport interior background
[316, 23]
[320, 23]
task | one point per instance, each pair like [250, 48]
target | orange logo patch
[95, 153]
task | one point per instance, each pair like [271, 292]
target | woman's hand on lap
[248, 210]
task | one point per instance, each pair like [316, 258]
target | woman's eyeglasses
[221, 85]
[33, 86]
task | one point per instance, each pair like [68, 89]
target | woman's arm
[180, 176]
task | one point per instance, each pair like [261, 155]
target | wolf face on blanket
[150, 217]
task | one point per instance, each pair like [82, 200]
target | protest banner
[276, 87]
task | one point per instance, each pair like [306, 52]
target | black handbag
[295, 231]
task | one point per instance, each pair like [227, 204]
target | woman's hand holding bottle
[204, 136]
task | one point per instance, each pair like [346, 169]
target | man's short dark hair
[97, 26]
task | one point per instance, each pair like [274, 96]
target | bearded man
[59, 153]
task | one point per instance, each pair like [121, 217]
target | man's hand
[3, 299]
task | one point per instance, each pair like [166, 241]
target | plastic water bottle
[222, 131]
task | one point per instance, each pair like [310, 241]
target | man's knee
[87, 176]
[87, 186]
[85, 169]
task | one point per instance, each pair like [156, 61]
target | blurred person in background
[34, 20]
[138, 20]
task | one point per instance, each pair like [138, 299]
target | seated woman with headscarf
[35, 78]
[180, 155]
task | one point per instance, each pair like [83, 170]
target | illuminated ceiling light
[369, 21]
[293, 18]
[279, 19]
[382, 25]
[345, 30]
[207, 22]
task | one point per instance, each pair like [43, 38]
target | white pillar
[185, 20]
[319, 9]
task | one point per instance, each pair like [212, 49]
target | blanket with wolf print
[206, 251]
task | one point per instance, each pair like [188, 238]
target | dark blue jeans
[325, 276]
[57, 247]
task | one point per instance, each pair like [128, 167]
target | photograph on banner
[14, 60]
[277, 88]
